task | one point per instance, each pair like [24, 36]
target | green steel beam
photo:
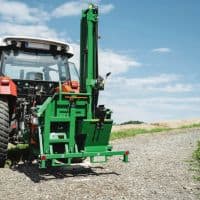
[91, 155]
[88, 55]
[84, 154]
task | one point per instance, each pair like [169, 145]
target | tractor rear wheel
[4, 131]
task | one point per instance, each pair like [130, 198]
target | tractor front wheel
[4, 131]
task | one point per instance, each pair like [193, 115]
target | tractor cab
[36, 63]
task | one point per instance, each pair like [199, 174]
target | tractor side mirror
[108, 74]
[101, 81]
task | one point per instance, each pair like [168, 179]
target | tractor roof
[37, 43]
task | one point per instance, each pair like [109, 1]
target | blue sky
[150, 46]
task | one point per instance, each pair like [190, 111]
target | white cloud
[151, 85]
[69, 9]
[74, 8]
[152, 80]
[174, 88]
[76, 58]
[150, 109]
[162, 50]
[147, 83]
[18, 18]
[160, 100]
[33, 30]
[18, 12]
[150, 98]
[109, 61]
[104, 9]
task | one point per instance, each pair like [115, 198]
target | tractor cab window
[74, 76]
[35, 66]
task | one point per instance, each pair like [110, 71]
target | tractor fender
[8, 90]
[7, 86]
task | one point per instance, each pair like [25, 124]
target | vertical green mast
[89, 56]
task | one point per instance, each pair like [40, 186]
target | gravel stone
[158, 169]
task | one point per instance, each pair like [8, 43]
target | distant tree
[132, 122]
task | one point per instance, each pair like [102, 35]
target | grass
[133, 132]
[17, 153]
[196, 125]
[197, 153]
[196, 156]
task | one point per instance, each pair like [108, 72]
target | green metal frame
[83, 134]
[68, 108]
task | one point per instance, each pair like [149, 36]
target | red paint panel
[7, 86]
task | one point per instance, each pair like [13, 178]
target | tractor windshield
[37, 66]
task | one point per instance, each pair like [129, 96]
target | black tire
[4, 131]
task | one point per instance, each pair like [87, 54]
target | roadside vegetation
[196, 125]
[17, 153]
[196, 165]
[132, 122]
[197, 152]
[135, 131]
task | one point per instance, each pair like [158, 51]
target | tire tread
[4, 131]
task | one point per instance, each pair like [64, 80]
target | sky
[151, 47]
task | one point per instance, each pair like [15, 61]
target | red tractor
[31, 70]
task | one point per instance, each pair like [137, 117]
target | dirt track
[158, 169]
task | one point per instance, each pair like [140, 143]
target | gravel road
[158, 169]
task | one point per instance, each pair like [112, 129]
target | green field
[136, 131]
[133, 132]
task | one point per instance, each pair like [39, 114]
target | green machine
[61, 121]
